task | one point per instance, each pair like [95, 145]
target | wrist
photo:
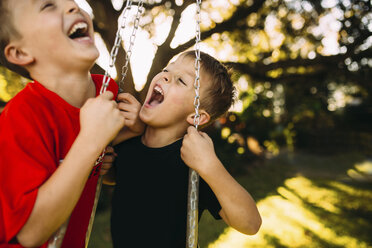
[209, 165]
[91, 146]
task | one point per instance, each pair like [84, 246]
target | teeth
[158, 90]
[79, 25]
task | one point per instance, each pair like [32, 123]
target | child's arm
[238, 207]
[100, 121]
[130, 109]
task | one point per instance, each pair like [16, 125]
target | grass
[305, 201]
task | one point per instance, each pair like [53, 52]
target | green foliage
[300, 66]
[284, 44]
[304, 200]
[10, 84]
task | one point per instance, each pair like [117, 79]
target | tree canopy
[298, 65]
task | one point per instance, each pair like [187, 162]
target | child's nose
[72, 7]
[166, 78]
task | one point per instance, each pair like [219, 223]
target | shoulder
[22, 103]
[28, 110]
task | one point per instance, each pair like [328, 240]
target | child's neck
[74, 88]
[158, 137]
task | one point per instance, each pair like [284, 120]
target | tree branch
[231, 24]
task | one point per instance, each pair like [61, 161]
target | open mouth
[157, 96]
[79, 30]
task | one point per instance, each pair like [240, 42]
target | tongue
[154, 103]
[156, 99]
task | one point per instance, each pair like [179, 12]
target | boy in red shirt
[53, 131]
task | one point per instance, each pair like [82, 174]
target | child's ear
[204, 117]
[16, 55]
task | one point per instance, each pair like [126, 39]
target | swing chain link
[192, 215]
[197, 64]
[132, 38]
[101, 157]
[105, 83]
[117, 44]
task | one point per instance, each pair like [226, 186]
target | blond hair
[7, 32]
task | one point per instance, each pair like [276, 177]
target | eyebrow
[191, 74]
[36, 1]
[188, 72]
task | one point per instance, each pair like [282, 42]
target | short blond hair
[8, 31]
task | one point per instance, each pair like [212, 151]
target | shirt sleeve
[26, 162]
[208, 200]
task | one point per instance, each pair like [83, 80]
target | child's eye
[181, 81]
[47, 5]
[165, 70]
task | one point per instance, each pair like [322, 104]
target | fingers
[126, 97]
[109, 149]
[108, 160]
[128, 103]
[204, 135]
[106, 166]
[103, 171]
[191, 130]
[128, 107]
[108, 95]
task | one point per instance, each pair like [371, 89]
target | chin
[142, 116]
[93, 53]
[90, 58]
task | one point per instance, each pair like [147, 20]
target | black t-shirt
[149, 207]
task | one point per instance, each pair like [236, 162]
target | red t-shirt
[37, 129]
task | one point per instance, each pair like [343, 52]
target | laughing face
[171, 94]
[55, 32]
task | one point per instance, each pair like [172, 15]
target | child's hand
[108, 160]
[130, 109]
[197, 150]
[100, 120]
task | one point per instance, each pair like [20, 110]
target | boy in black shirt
[149, 207]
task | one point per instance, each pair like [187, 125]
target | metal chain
[105, 83]
[193, 195]
[132, 38]
[118, 41]
[197, 65]
[115, 51]
[116, 46]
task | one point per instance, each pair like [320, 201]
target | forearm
[238, 207]
[58, 196]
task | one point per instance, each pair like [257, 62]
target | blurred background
[299, 137]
